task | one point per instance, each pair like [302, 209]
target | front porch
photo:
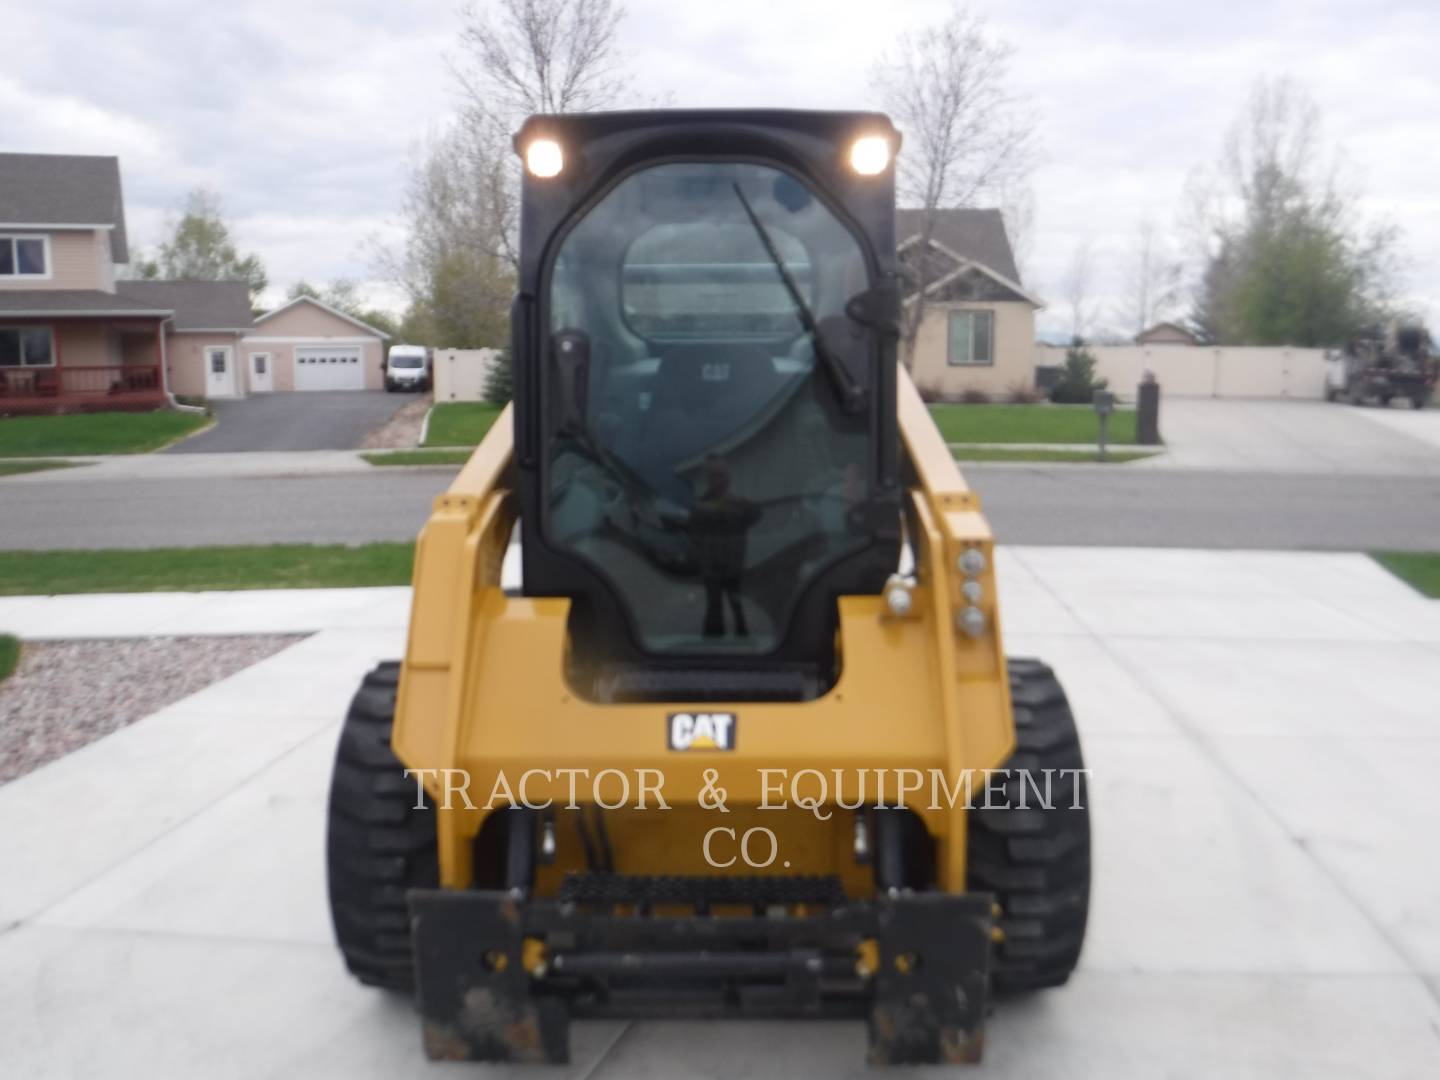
[81, 365]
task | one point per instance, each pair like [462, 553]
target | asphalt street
[1098, 506]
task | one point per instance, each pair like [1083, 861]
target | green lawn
[1418, 570]
[9, 655]
[419, 457]
[274, 566]
[460, 423]
[989, 453]
[94, 433]
[15, 468]
[1029, 424]
[465, 423]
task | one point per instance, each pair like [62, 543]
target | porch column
[160, 358]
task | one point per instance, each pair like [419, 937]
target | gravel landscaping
[402, 429]
[69, 693]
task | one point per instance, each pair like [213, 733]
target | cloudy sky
[302, 115]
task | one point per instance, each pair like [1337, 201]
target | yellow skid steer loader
[741, 740]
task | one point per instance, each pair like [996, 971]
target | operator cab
[704, 351]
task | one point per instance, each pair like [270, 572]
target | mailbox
[1104, 402]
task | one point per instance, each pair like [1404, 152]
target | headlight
[870, 154]
[544, 158]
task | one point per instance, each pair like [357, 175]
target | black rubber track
[379, 845]
[1036, 861]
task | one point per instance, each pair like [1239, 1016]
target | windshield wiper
[851, 393]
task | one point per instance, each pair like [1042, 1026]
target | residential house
[977, 331]
[74, 338]
[1166, 333]
[313, 346]
[203, 332]
[66, 336]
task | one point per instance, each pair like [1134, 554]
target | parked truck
[1382, 365]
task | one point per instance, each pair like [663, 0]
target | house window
[217, 361]
[972, 338]
[26, 346]
[24, 256]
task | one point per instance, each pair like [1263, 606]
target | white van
[407, 367]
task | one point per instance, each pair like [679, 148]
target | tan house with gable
[310, 345]
[978, 327]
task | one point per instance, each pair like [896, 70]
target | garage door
[325, 368]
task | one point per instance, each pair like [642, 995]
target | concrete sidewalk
[1264, 737]
[182, 614]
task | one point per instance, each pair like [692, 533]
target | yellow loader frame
[483, 691]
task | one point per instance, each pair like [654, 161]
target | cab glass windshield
[697, 453]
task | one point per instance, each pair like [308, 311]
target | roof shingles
[64, 189]
[19, 303]
[198, 305]
[973, 233]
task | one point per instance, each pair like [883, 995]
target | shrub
[499, 382]
[971, 396]
[1021, 392]
[1077, 383]
[929, 393]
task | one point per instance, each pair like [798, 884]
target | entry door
[219, 371]
[329, 368]
[261, 373]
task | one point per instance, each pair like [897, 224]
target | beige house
[74, 338]
[978, 327]
[67, 340]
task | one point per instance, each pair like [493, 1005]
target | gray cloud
[303, 114]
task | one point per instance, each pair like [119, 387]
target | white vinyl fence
[1206, 371]
[460, 373]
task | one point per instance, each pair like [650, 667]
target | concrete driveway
[302, 421]
[1298, 436]
[1264, 743]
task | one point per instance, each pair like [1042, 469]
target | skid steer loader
[742, 741]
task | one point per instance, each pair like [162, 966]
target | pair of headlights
[869, 156]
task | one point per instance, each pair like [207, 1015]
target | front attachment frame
[499, 976]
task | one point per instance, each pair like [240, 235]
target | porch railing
[109, 380]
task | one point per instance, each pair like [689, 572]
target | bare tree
[967, 135]
[541, 56]
[461, 207]
[1017, 209]
[1079, 278]
[456, 262]
[1153, 281]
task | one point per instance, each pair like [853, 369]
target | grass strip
[261, 566]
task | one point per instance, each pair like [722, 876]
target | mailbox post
[1104, 403]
